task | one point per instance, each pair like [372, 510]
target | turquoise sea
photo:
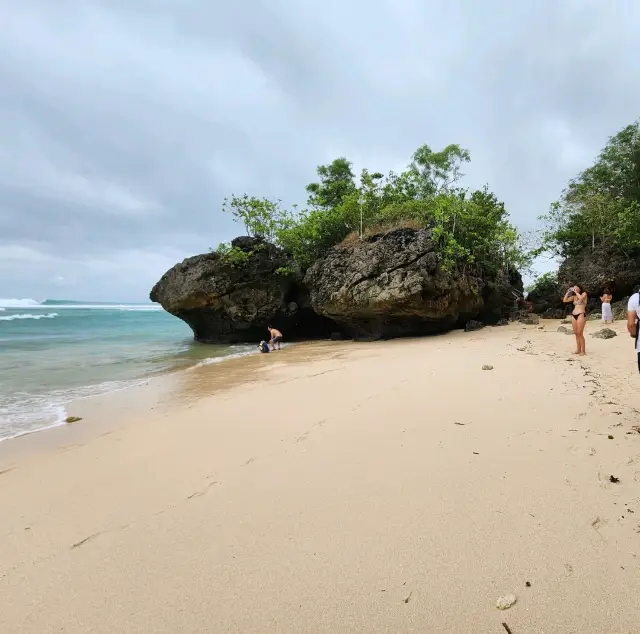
[55, 351]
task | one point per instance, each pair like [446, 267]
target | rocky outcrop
[554, 313]
[391, 284]
[598, 269]
[230, 299]
[529, 319]
[595, 270]
[619, 308]
[548, 303]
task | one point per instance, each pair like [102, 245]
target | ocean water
[56, 351]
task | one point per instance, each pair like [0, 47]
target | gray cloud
[124, 124]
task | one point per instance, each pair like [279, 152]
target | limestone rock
[227, 301]
[391, 284]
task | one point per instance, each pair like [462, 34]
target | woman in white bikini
[576, 295]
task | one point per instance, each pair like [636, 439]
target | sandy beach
[339, 487]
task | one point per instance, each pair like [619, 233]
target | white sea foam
[33, 304]
[57, 413]
[19, 303]
[28, 316]
[235, 355]
[27, 414]
[100, 306]
[24, 413]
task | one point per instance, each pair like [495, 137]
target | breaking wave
[18, 303]
[28, 316]
[32, 304]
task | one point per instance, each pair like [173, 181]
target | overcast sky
[124, 123]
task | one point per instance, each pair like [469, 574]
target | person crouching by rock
[264, 347]
[276, 338]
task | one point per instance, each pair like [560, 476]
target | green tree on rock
[600, 208]
[337, 181]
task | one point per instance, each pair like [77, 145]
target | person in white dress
[607, 314]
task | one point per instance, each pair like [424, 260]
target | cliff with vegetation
[374, 256]
[594, 229]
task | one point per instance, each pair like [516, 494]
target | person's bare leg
[574, 324]
[580, 330]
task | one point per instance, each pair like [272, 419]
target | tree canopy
[600, 208]
[468, 226]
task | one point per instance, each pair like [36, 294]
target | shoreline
[131, 400]
[108, 399]
[341, 486]
[113, 386]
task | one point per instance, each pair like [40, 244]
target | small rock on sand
[487, 367]
[505, 602]
[472, 325]
[605, 333]
[72, 419]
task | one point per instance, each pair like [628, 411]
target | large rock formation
[595, 270]
[391, 284]
[598, 269]
[233, 299]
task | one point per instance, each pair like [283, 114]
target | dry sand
[389, 487]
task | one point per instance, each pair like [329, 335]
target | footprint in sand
[597, 524]
[84, 541]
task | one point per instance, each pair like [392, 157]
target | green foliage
[336, 183]
[545, 284]
[284, 271]
[469, 227]
[600, 208]
[261, 217]
[231, 255]
[431, 173]
[223, 248]
[236, 257]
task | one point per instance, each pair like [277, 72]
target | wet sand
[339, 487]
